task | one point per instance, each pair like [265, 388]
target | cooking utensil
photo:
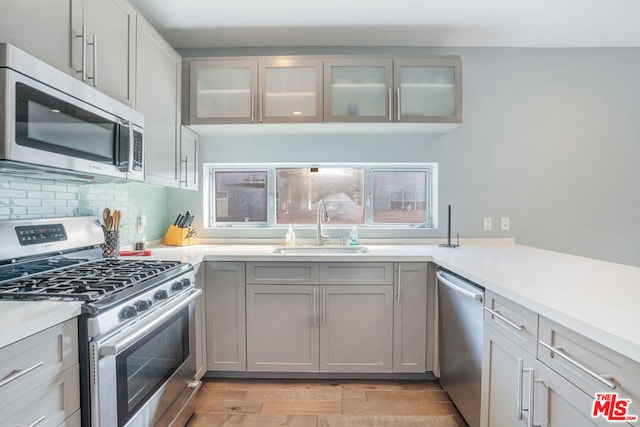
[106, 213]
[116, 220]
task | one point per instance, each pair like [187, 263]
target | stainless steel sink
[319, 250]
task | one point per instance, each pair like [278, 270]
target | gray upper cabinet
[316, 89]
[93, 40]
[189, 159]
[428, 90]
[290, 91]
[255, 91]
[358, 90]
[410, 318]
[42, 28]
[158, 85]
[108, 57]
[223, 91]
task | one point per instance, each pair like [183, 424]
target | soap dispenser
[290, 237]
[353, 236]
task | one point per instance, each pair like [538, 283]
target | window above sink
[276, 195]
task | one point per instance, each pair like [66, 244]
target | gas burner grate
[91, 281]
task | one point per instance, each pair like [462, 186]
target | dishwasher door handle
[478, 296]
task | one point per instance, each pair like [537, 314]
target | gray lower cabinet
[302, 328]
[356, 328]
[410, 317]
[41, 379]
[319, 317]
[225, 316]
[525, 385]
[282, 328]
[515, 382]
[503, 368]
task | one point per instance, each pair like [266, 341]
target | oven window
[50, 124]
[145, 366]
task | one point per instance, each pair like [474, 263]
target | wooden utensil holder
[176, 236]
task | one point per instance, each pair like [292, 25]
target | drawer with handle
[281, 273]
[513, 320]
[49, 404]
[42, 356]
[590, 366]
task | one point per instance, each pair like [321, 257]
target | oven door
[143, 369]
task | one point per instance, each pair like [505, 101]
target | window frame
[431, 196]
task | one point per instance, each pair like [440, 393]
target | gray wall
[551, 139]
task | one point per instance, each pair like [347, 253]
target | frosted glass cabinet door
[290, 91]
[428, 90]
[223, 92]
[358, 90]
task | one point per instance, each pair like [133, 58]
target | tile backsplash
[28, 198]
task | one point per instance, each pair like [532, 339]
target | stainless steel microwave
[52, 122]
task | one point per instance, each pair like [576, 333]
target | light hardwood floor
[324, 403]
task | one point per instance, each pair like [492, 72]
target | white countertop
[597, 299]
[20, 319]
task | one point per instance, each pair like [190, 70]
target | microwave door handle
[131, 147]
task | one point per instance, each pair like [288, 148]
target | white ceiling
[508, 23]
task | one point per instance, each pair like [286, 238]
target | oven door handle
[112, 349]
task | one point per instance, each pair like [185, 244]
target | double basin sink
[319, 250]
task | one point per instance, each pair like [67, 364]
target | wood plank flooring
[324, 403]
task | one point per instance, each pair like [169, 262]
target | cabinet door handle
[253, 106]
[497, 315]
[33, 424]
[519, 394]
[399, 282]
[603, 379]
[529, 409]
[390, 104]
[17, 373]
[186, 170]
[94, 43]
[260, 105]
[545, 423]
[83, 59]
[324, 306]
[398, 103]
[315, 307]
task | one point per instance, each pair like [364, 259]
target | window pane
[400, 196]
[299, 190]
[241, 196]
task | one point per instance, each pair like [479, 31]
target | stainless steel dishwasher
[460, 319]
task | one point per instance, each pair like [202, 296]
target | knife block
[176, 236]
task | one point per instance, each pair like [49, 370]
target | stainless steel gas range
[136, 330]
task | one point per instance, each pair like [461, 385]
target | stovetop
[91, 281]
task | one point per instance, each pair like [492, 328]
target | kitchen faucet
[323, 215]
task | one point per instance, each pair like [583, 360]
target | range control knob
[129, 312]
[186, 282]
[177, 286]
[143, 305]
[161, 294]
